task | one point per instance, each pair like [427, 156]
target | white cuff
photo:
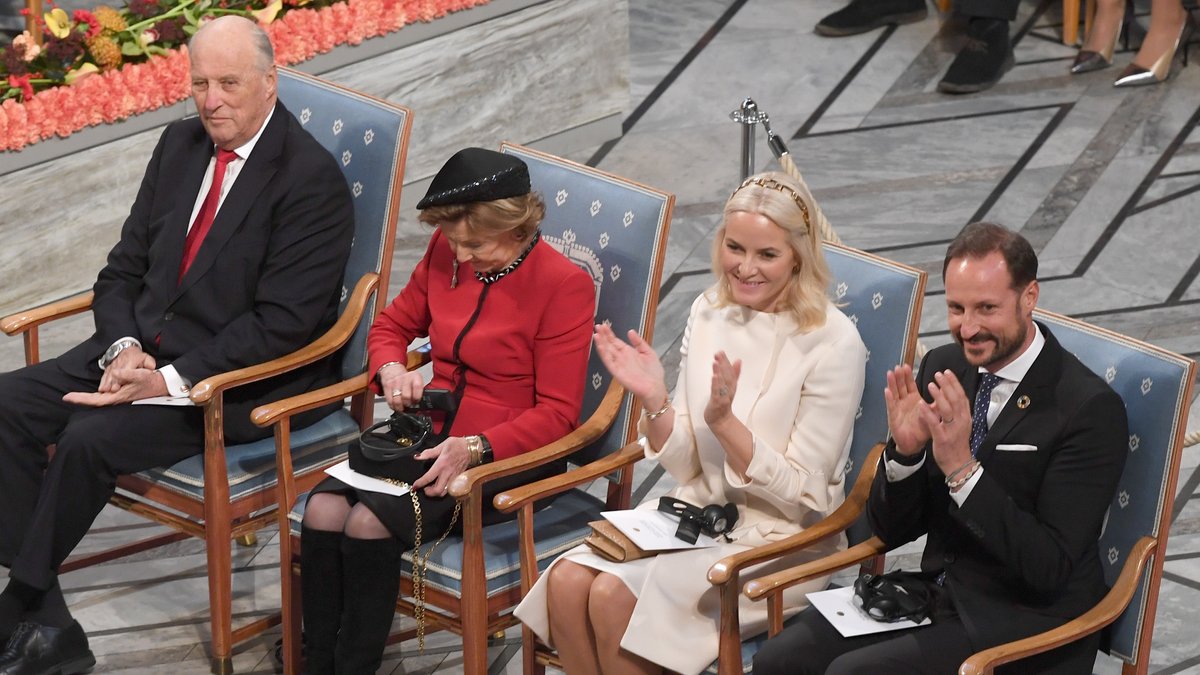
[965, 491]
[898, 472]
[177, 387]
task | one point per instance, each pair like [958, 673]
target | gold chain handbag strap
[420, 563]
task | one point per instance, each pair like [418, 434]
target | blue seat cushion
[557, 528]
[251, 466]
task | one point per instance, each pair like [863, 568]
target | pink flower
[21, 82]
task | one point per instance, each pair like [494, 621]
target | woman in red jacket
[510, 321]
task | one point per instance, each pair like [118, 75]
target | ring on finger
[396, 392]
[723, 391]
[948, 421]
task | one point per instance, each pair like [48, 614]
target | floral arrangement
[108, 64]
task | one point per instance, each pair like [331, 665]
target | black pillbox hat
[477, 175]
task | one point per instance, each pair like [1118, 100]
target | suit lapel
[1037, 386]
[258, 170]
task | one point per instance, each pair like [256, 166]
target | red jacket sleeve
[404, 320]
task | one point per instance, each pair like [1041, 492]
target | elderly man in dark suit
[232, 255]
[1007, 456]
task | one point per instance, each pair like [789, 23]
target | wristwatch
[117, 347]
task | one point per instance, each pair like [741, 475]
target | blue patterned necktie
[979, 423]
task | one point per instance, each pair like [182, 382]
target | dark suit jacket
[1020, 554]
[266, 280]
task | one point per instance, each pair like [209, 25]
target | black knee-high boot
[321, 596]
[371, 583]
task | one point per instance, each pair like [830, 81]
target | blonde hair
[788, 203]
[520, 215]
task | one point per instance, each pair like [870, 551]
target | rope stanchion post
[748, 116]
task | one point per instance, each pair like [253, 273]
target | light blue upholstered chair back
[363, 134]
[883, 299]
[1156, 387]
[613, 229]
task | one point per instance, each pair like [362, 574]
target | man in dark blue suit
[1006, 456]
[232, 254]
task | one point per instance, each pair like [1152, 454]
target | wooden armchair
[884, 300]
[616, 230]
[1156, 386]
[226, 491]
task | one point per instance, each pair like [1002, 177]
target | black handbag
[386, 449]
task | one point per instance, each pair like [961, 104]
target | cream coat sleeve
[797, 478]
[678, 456]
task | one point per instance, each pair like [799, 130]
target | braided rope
[828, 234]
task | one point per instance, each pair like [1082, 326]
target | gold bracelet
[660, 412]
[474, 451]
[380, 370]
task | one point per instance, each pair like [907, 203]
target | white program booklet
[354, 479]
[653, 530]
[837, 605]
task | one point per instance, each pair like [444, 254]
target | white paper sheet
[164, 400]
[838, 607]
[653, 530]
[354, 479]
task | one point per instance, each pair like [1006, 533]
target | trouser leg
[32, 414]
[97, 445]
[988, 9]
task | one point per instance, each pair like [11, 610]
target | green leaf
[131, 49]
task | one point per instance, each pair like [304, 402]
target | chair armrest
[585, 433]
[32, 318]
[330, 342]
[842, 517]
[511, 500]
[779, 581]
[1103, 613]
[269, 413]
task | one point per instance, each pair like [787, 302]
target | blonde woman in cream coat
[769, 385]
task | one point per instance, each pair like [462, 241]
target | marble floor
[1104, 182]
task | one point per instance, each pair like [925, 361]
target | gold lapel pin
[1023, 402]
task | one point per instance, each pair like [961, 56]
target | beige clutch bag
[609, 542]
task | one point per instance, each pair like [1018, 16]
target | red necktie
[208, 210]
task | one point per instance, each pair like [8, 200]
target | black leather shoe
[41, 650]
[861, 16]
[982, 61]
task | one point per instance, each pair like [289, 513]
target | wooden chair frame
[1148, 551]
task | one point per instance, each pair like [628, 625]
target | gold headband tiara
[772, 184]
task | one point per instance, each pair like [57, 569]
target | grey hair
[264, 52]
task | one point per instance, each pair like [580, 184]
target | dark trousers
[811, 645]
[987, 9]
[47, 505]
